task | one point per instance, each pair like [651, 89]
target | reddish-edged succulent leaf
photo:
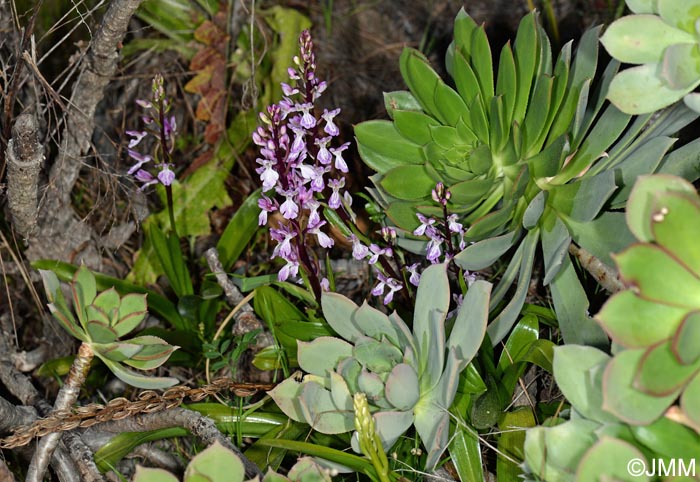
[676, 226]
[686, 341]
[660, 374]
[690, 401]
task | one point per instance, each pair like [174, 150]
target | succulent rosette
[409, 377]
[101, 320]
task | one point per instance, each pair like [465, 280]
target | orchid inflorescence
[162, 128]
[299, 169]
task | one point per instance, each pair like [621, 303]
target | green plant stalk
[67, 396]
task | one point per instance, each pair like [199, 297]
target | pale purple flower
[137, 137]
[308, 121]
[144, 103]
[336, 185]
[268, 174]
[169, 127]
[434, 250]
[415, 275]
[289, 209]
[359, 250]
[288, 270]
[288, 90]
[266, 206]
[386, 282]
[141, 158]
[338, 155]
[453, 225]
[377, 251]
[146, 178]
[331, 129]
[325, 284]
[323, 239]
[425, 223]
[166, 176]
[324, 156]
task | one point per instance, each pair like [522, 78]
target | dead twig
[601, 272]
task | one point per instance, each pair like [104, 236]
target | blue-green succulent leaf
[402, 387]
[321, 413]
[470, 325]
[287, 397]
[339, 311]
[322, 354]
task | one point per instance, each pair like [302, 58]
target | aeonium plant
[100, 321]
[409, 376]
[532, 155]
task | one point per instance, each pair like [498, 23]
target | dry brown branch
[200, 426]
[61, 234]
[606, 276]
[24, 156]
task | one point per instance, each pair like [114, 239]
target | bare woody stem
[67, 396]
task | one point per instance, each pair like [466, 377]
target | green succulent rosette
[533, 156]
[101, 320]
[409, 377]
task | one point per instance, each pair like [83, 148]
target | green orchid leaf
[524, 334]
[354, 462]
[239, 231]
[510, 444]
[465, 452]
[624, 401]
[303, 330]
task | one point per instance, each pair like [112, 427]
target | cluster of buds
[299, 168]
[156, 167]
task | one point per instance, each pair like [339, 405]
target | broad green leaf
[214, 463]
[611, 457]
[239, 231]
[119, 446]
[432, 304]
[419, 187]
[624, 401]
[606, 234]
[402, 387]
[629, 90]
[338, 311]
[685, 344]
[555, 245]
[635, 322]
[485, 252]
[470, 325]
[321, 413]
[659, 373]
[507, 82]
[642, 200]
[535, 123]
[690, 402]
[465, 79]
[578, 371]
[676, 226]
[322, 354]
[354, 462]
[668, 438]
[421, 79]
[680, 68]
[109, 299]
[642, 6]
[524, 334]
[679, 14]
[449, 103]
[145, 474]
[400, 100]
[481, 59]
[534, 210]
[286, 396]
[414, 126]
[85, 281]
[383, 138]
[582, 200]
[640, 266]
[100, 332]
[288, 23]
[527, 54]
[641, 39]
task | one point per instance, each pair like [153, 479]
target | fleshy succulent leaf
[659, 372]
[286, 396]
[108, 300]
[686, 341]
[100, 332]
[321, 413]
[402, 387]
[470, 325]
[339, 311]
[322, 354]
[135, 379]
[609, 456]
